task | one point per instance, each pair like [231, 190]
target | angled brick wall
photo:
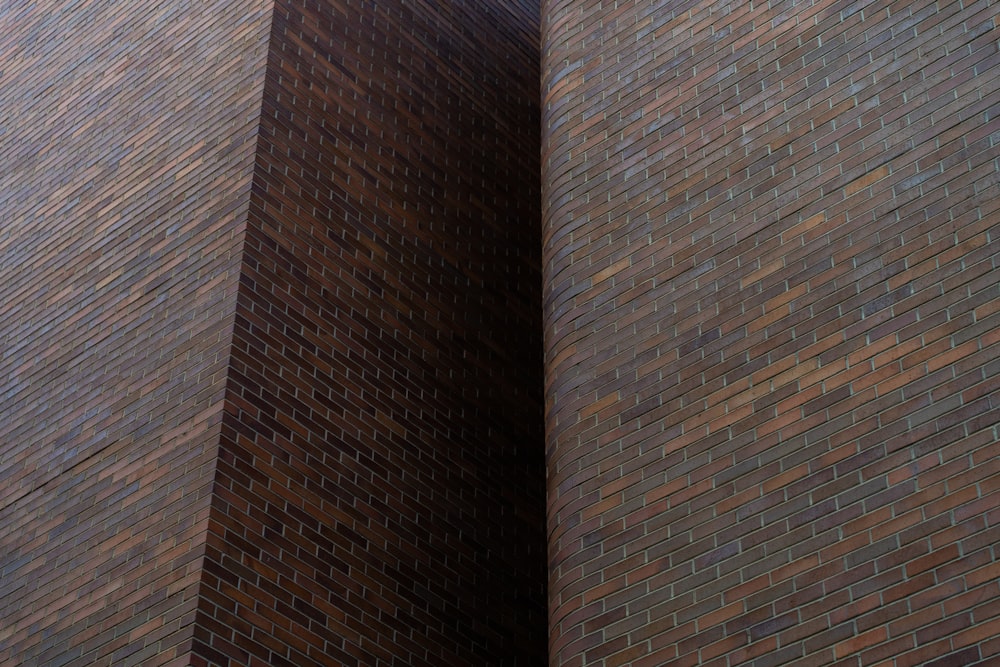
[126, 153]
[770, 312]
[771, 315]
[380, 493]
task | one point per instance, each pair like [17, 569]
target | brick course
[770, 278]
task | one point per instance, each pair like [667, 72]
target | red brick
[850, 316]
[236, 202]
[767, 284]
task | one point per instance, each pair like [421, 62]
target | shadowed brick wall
[771, 314]
[380, 492]
[271, 353]
[270, 392]
[126, 153]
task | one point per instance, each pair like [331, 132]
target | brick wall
[380, 489]
[771, 315]
[126, 152]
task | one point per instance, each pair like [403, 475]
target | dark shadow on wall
[380, 495]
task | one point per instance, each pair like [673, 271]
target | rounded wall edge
[564, 229]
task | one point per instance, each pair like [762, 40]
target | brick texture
[380, 492]
[271, 363]
[126, 157]
[274, 280]
[771, 317]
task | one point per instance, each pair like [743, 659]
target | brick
[116, 440]
[761, 296]
[849, 295]
[191, 231]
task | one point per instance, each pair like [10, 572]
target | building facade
[303, 364]
[272, 334]
[772, 325]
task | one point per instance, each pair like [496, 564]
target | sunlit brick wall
[126, 153]
[381, 493]
[772, 327]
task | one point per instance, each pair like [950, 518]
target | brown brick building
[292, 331]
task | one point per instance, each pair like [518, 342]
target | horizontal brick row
[770, 312]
